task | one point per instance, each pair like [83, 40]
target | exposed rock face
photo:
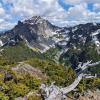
[40, 26]
[41, 34]
[80, 35]
[35, 32]
[28, 69]
[8, 77]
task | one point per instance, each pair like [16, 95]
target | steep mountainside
[35, 32]
[75, 44]
[41, 34]
[36, 52]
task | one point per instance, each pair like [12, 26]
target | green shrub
[3, 96]
[34, 98]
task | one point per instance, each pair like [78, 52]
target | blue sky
[59, 12]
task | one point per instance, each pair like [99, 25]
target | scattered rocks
[90, 95]
[8, 77]
[28, 69]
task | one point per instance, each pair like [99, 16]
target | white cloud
[50, 9]
[75, 2]
[4, 19]
[96, 6]
[6, 25]
[2, 11]
[77, 12]
[92, 1]
[32, 7]
[80, 13]
[28, 8]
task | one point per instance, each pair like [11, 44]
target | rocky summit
[35, 32]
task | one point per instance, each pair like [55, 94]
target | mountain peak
[35, 20]
[34, 31]
[41, 34]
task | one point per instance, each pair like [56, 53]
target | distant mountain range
[40, 35]
[36, 32]
[36, 51]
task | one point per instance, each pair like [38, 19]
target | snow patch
[1, 43]
[73, 30]
[53, 33]
[45, 47]
[94, 23]
[96, 33]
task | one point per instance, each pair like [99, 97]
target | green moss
[17, 90]
[14, 54]
[3, 96]
[51, 53]
[89, 83]
[56, 72]
[34, 98]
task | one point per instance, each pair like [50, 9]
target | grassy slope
[18, 53]
[56, 72]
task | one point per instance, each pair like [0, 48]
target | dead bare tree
[54, 92]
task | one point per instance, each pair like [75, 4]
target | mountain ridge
[56, 53]
[41, 34]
